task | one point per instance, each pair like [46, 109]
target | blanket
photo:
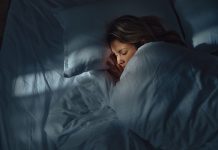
[81, 118]
[168, 95]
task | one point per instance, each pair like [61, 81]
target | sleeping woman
[127, 33]
[165, 93]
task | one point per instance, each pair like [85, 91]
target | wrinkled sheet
[31, 80]
[82, 120]
[168, 95]
[31, 72]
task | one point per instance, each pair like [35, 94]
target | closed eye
[123, 52]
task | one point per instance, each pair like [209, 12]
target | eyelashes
[121, 53]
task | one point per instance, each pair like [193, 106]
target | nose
[120, 61]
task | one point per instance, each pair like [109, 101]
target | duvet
[168, 95]
[81, 118]
[166, 99]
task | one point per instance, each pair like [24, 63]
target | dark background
[4, 5]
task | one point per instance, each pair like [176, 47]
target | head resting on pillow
[127, 33]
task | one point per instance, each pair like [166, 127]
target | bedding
[199, 21]
[89, 92]
[31, 65]
[84, 27]
[81, 119]
[31, 79]
[32, 84]
[168, 95]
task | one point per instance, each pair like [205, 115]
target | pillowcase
[199, 20]
[84, 27]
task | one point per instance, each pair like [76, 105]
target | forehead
[116, 46]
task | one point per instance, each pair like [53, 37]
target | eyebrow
[119, 51]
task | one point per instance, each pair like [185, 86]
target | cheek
[130, 55]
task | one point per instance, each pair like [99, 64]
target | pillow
[199, 19]
[84, 27]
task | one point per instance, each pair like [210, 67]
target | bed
[56, 94]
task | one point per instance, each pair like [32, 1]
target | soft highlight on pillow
[84, 28]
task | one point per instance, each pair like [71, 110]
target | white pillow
[199, 19]
[84, 27]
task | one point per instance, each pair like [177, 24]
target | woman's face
[123, 52]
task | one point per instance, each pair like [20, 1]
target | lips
[123, 65]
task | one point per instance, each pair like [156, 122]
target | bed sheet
[31, 81]
[25, 103]
[31, 60]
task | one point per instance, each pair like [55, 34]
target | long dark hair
[136, 31]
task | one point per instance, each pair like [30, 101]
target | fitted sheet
[31, 60]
